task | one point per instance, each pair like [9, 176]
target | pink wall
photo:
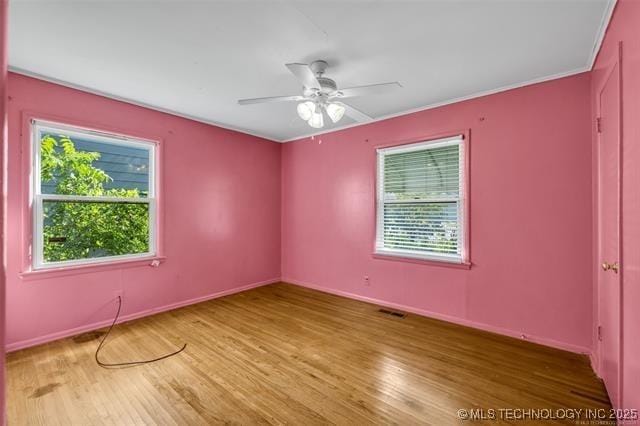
[624, 27]
[221, 208]
[238, 209]
[530, 215]
[3, 134]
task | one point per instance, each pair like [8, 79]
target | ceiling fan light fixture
[319, 93]
[317, 120]
[335, 112]
[306, 110]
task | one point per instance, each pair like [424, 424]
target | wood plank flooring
[284, 354]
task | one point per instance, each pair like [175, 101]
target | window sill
[88, 268]
[421, 261]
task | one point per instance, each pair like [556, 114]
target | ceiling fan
[321, 95]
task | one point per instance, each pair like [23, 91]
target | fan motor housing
[319, 67]
[327, 87]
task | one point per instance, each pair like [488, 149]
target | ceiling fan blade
[355, 114]
[371, 89]
[304, 74]
[271, 99]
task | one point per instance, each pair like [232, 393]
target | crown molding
[108, 95]
[447, 102]
[602, 29]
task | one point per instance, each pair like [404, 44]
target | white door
[609, 313]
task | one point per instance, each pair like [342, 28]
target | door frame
[617, 62]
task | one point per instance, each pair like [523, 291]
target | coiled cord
[129, 363]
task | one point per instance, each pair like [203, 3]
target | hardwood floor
[285, 354]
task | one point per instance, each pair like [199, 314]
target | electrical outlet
[367, 283]
[118, 293]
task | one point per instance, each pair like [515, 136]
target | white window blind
[420, 201]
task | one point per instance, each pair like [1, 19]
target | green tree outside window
[79, 230]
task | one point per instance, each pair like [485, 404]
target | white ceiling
[196, 59]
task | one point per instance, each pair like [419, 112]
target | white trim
[596, 48]
[97, 135]
[153, 204]
[381, 201]
[419, 146]
[444, 103]
[310, 134]
[53, 266]
[37, 198]
[410, 254]
[36, 224]
[305, 135]
[462, 203]
[38, 76]
[424, 200]
[602, 31]
[94, 199]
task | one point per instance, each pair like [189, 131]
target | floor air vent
[392, 313]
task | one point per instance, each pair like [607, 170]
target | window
[93, 197]
[420, 201]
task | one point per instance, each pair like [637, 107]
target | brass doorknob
[614, 267]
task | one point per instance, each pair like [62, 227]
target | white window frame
[38, 198]
[380, 248]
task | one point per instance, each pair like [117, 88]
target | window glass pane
[425, 227]
[77, 230]
[433, 172]
[85, 166]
